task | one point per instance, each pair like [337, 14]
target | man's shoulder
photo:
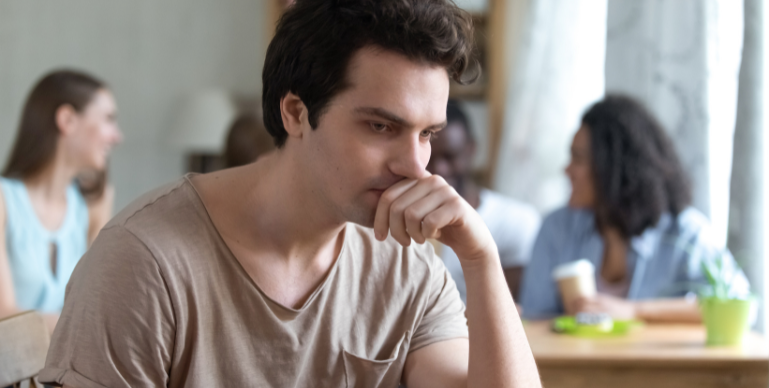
[152, 206]
[168, 218]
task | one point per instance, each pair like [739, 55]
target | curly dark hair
[636, 171]
[455, 114]
[315, 40]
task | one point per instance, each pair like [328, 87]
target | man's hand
[601, 303]
[499, 355]
[428, 207]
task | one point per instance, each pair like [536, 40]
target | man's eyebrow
[389, 116]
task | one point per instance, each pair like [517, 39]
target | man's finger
[445, 215]
[417, 211]
[404, 210]
[382, 216]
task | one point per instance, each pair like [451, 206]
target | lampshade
[202, 122]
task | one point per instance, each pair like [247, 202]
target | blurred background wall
[152, 53]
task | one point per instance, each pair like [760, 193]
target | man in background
[247, 139]
[512, 224]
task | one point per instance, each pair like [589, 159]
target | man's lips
[382, 186]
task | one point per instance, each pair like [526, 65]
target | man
[270, 274]
[512, 224]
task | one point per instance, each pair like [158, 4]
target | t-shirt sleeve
[117, 325]
[444, 316]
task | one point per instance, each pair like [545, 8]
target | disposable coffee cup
[575, 280]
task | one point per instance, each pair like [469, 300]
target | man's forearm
[500, 355]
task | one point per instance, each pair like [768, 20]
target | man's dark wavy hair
[637, 173]
[315, 40]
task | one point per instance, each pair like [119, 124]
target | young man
[513, 225]
[270, 274]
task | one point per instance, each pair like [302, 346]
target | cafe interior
[186, 77]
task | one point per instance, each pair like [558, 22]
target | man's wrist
[488, 258]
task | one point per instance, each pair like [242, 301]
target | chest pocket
[362, 372]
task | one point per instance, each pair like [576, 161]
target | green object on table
[726, 320]
[569, 325]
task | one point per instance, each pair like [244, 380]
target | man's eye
[379, 127]
[429, 134]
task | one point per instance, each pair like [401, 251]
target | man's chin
[362, 216]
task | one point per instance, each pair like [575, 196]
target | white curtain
[747, 223]
[682, 59]
[556, 55]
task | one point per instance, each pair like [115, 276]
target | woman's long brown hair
[38, 134]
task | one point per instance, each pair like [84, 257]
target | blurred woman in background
[54, 197]
[629, 214]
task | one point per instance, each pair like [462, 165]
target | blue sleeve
[539, 293]
[701, 251]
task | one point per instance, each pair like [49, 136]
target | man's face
[452, 155]
[375, 133]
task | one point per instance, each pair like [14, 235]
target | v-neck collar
[231, 256]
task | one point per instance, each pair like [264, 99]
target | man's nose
[410, 158]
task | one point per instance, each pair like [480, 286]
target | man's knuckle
[429, 221]
[448, 191]
[396, 209]
[438, 181]
[409, 214]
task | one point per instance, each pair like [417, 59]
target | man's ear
[66, 118]
[294, 114]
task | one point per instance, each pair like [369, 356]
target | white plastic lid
[581, 267]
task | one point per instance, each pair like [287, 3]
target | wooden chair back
[24, 341]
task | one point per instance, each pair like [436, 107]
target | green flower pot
[727, 321]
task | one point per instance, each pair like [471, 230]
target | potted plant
[725, 313]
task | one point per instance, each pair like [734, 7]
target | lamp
[201, 126]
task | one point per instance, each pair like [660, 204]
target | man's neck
[266, 207]
[281, 234]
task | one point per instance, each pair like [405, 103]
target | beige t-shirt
[159, 300]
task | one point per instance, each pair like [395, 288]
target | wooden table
[656, 356]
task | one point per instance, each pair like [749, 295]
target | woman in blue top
[629, 214]
[53, 199]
